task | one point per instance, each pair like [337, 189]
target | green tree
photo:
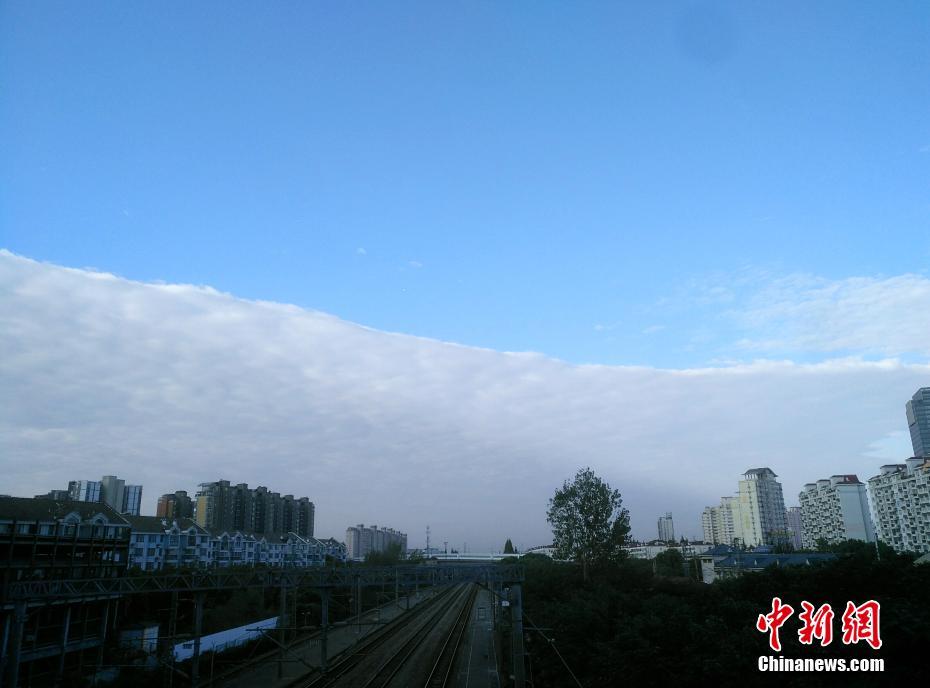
[589, 523]
[390, 556]
[670, 563]
[508, 547]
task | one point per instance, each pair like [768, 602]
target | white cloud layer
[173, 385]
[887, 316]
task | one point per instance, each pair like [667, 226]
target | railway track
[403, 658]
[378, 643]
[414, 654]
[300, 642]
[440, 675]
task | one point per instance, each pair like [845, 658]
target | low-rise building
[738, 563]
[237, 548]
[652, 549]
[710, 557]
[159, 543]
[334, 549]
[48, 539]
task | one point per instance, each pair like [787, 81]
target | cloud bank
[172, 385]
[884, 316]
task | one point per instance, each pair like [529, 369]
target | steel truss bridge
[51, 591]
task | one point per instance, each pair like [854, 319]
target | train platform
[476, 666]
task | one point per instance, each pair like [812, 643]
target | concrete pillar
[4, 655]
[358, 604]
[198, 628]
[64, 646]
[282, 630]
[16, 642]
[104, 623]
[168, 680]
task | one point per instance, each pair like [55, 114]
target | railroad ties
[417, 649]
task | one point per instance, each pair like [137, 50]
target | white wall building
[900, 499]
[720, 523]
[158, 543]
[761, 509]
[835, 509]
[652, 550]
[361, 540]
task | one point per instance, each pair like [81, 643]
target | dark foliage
[650, 629]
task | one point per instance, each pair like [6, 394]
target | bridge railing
[218, 579]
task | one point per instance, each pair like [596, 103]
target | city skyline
[275, 275]
[423, 262]
[172, 322]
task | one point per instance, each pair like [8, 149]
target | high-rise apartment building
[918, 421]
[222, 506]
[360, 541]
[115, 493]
[132, 500]
[900, 499]
[666, 527]
[84, 490]
[720, 523]
[835, 510]
[761, 509]
[175, 505]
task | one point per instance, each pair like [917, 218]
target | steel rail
[389, 669]
[442, 668]
[351, 657]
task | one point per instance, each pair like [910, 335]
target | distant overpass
[488, 556]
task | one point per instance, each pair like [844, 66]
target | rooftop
[159, 524]
[43, 509]
[761, 472]
[750, 560]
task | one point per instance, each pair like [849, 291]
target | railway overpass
[496, 582]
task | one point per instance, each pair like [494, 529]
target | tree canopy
[508, 547]
[589, 523]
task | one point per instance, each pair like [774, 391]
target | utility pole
[324, 626]
[427, 541]
[198, 629]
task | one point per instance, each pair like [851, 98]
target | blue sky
[723, 208]
[565, 178]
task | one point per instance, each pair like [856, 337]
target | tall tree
[589, 523]
[508, 547]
